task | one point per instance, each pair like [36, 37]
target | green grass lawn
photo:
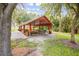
[54, 47]
[22, 43]
[60, 35]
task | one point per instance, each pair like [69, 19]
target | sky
[35, 8]
[32, 7]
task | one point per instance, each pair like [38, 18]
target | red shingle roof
[43, 20]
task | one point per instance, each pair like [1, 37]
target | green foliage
[66, 24]
[20, 16]
[54, 14]
[55, 25]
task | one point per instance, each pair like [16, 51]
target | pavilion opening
[36, 26]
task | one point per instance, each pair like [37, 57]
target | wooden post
[30, 29]
[23, 28]
[20, 28]
[49, 29]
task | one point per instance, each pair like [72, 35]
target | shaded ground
[56, 44]
[27, 51]
[39, 39]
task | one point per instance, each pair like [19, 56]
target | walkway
[17, 35]
[40, 38]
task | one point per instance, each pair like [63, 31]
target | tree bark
[6, 29]
[73, 24]
[1, 16]
[72, 31]
[60, 23]
[60, 26]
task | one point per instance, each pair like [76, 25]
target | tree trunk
[1, 16]
[73, 23]
[60, 26]
[60, 23]
[72, 31]
[6, 29]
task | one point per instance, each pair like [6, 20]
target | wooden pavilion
[40, 22]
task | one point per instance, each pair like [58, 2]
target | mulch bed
[21, 51]
[70, 44]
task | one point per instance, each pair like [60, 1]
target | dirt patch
[70, 44]
[21, 51]
[35, 53]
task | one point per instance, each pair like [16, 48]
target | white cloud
[38, 4]
[38, 9]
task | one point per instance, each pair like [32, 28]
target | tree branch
[72, 8]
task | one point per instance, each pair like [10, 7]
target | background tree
[74, 9]
[71, 20]
[20, 16]
[53, 11]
